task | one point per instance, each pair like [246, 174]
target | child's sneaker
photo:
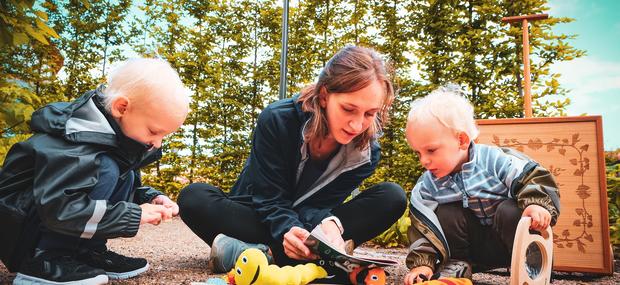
[225, 250]
[457, 269]
[56, 267]
[116, 266]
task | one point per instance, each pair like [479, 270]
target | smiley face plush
[252, 268]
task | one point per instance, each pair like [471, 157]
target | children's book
[317, 242]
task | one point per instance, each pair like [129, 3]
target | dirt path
[177, 256]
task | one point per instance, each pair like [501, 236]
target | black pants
[208, 212]
[469, 240]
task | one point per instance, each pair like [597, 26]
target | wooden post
[527, 98]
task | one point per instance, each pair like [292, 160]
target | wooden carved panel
[571, 148]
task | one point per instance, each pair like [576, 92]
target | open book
[317, 242]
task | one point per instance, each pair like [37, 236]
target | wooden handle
[515, 19]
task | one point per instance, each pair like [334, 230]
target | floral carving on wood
[578, 235]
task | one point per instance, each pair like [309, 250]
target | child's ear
[463, 140]
[120, 105]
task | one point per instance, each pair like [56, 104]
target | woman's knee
[392, 196]
[193, 199]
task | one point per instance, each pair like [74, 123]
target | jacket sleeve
[272, 197]
[143, 194]
[426, 246]
[529, 183]
[537, 187]
[62, 181]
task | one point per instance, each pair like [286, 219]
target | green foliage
[613, 199]
[227, 53]
[20, 22]
[396, 235]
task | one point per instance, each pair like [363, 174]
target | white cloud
[594, 86]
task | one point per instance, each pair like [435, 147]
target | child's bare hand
[153, 214]
[166, 202]
[541, 218]
[414, 275]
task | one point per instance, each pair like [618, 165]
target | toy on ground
[367, 276]
[520, 272]
[252, 268]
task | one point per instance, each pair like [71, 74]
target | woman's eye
[431, 150]
[347, 110]
[370, 114]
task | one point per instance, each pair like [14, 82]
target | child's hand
[153, 214]
[414, 275]
[166, 202]
[541, 218]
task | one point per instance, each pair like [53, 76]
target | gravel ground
[177, 256]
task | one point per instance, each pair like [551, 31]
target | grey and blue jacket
[491, 175]
[277, 157]
[47, 178]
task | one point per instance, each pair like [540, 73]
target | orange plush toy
[367, 276]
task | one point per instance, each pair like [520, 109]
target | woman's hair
[449, 107]
[139, 78]
[349, 70]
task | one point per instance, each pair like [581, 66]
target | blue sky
[594, 79]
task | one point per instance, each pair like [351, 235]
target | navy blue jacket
[278, 154]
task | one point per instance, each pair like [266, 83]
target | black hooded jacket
[47, 178]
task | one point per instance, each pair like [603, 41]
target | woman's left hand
[332, 232]
[166, 202]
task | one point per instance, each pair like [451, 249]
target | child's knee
[452, 216]
[508, 213]
[107, 178]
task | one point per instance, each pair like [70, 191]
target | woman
[308, 154]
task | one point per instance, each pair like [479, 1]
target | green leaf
[42, 15]
[20, 38]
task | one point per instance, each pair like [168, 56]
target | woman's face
[351, 114]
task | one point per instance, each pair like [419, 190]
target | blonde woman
[309, 152]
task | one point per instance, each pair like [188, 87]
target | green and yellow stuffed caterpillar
[252, 268]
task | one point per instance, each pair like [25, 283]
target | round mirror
[533, 260]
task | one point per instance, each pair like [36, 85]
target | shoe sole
[23, 279]
[127, 275]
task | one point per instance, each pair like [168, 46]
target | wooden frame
[572, 149]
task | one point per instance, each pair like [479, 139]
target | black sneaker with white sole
[116, 266]
[56, 267]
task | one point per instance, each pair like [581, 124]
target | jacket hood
[84, 120]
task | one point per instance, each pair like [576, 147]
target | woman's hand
[332, 232]
[541, 218]
[294, 246]
[413, 276]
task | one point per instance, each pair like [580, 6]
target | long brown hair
[350, 69]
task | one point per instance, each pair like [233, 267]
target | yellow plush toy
[252, 268]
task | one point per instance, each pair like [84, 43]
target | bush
[613, 199]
